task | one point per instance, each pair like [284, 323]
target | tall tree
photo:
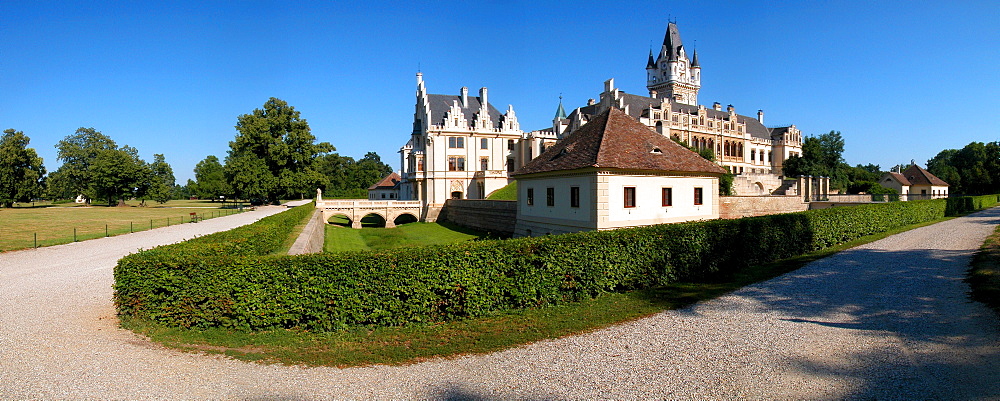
[273, 153]
[821, 156]
[78, 152]
[211, 179]
[21, 170]
[116, 174]
[974, 169]
[162, 179]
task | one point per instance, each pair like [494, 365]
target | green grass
[417, 342]
[984, 275]
[341, 239]
[55, 225]
[508, 192]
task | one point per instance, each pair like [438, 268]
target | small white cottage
[611, 173]
[915, 183]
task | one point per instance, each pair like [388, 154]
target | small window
[484, 143]
[510, 165]
[629, 196]
[574, 196]
[456, 163]
[668, 196]
[550, 196]
[383, 196]
[698, 196]
[456, 142]
[510, 144]
[484, 163]
[420, 164]
[531, 196]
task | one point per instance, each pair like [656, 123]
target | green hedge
[966, 204]
[223, 279]
[148, 282]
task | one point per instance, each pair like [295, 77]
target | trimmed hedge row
[966, 204]
[151, 280]
[204, 283]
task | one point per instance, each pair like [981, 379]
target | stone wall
[734, 207]
[493, 216]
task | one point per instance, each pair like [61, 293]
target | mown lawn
[55, 224]
[340, 238]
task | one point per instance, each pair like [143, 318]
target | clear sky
[900, 80]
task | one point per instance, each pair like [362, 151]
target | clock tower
[672, 75]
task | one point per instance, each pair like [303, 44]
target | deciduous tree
[211, 179]
[273, 153]
[21, 170]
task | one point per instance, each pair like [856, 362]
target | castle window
[510, 144]
[531, 196]
[550, 196]
[456, 163]
[456, 142]
[484, 163]
[420, 164]
[667, 196]
[484, 143]
[574, 196]
[629, 197]
[698, 196]
[510, 165]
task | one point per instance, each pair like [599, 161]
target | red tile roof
[919, 176]
[389, 182]
[899, 177]
[615, 140]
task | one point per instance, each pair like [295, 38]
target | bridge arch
[404, 218]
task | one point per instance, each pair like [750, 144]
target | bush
[226, 280]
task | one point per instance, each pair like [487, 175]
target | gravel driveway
[888, 320]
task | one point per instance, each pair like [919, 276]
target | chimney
[590, 102]
[482, 98]
[717, 106]
[730, 109]
[465, 97]
[609, 85]
[652, 94]
[760, 116]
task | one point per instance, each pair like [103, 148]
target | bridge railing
[366, 204]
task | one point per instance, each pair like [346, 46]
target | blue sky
[900, 80]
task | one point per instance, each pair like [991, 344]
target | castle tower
[672, 75]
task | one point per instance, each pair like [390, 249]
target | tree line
[273, 156]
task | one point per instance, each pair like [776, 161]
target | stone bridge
[357, 209]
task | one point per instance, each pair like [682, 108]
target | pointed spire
[694, 61]
[561, 112]
[651, 63]
[671, 42]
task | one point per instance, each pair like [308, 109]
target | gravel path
[889, 320]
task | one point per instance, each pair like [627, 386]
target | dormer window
[657, 151]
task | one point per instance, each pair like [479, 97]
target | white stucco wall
[649, 209]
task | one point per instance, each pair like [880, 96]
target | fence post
[74, 234]
[36, 240]
[130, 230]
[150, 224]
[105, 231]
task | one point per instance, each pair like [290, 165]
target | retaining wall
[734, 207]
[494, 216]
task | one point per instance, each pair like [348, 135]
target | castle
[461, 147]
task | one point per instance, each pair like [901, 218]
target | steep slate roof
[441, 104]
[919, 176]
[614, 140]
[389, 182]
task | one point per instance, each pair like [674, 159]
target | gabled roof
[389, 182]
[441, 104]
[899, 177]
[615, 140]
[918, 176]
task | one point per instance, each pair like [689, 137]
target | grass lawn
[417, 342]
[508, 192]
[984, 276]
[340, 238]
[55, 224]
